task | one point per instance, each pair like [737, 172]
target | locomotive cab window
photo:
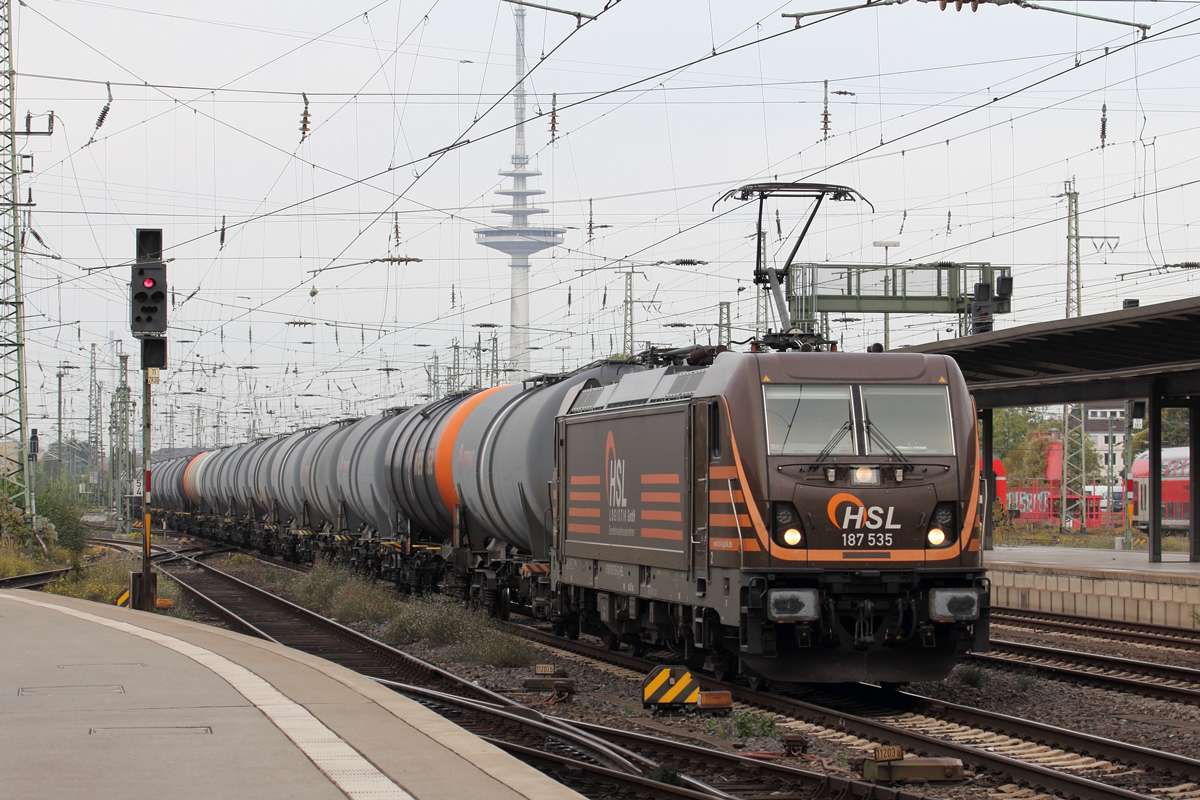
[915, 420]
[807, 419]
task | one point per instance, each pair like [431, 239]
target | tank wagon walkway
[102, 702]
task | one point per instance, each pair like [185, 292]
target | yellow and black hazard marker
[123, 600]
[669, 687]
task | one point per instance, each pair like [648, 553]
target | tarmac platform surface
[1088, 558]
[1119, 585]
[101, 702]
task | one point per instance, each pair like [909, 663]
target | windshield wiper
[876, 434]
[832, 443]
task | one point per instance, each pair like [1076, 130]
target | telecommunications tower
[519, 240]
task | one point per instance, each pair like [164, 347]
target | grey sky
[204, 127]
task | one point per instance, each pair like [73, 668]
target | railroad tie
[1181, 791]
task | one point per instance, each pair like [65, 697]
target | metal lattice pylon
[14, 429]
[1074, 469]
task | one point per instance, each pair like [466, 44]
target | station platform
[106, 703]
[1119, 585]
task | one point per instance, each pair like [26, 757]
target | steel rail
[836, 785]
[1160, 635]
[1085, 744]
[33, 580]
[1033, 655]
[346, 634]
[502, 706]
[1033, 775]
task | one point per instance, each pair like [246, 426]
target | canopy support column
[1154, 479]
[1193, 487]
[989, 475]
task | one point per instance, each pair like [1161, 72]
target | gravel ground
[1174, 727]
[610, 695]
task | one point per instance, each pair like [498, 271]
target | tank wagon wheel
[568, 627]
[611, 641]
[637, 648]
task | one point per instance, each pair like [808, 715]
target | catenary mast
[519, 240]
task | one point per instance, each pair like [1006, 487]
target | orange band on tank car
[443, 466]
[662, 516]
[578, 527]
[660, 497]
[593, 497]
[188, 469]
[585, 480]
[663, 478]
[583, 512]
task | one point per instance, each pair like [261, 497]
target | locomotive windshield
[811, 419]
[914, 420]
[807, 419]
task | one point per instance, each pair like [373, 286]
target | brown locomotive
[802, 516]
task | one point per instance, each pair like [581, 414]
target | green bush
[320, 587]
[101, 582]
[58, 501]
[15, 560]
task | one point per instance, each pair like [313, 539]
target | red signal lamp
[148, 283]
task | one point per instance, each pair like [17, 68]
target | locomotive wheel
[611, 641]
[723, 670]
[757, 682]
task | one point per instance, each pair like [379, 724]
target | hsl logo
[860, 514]
[614, 468]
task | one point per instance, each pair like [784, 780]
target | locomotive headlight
[788, 530]
[865, 476]
[936, 536]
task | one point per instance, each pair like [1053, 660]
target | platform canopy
[1121, 355]
[1150, 352]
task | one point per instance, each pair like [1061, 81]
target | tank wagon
[790, 516]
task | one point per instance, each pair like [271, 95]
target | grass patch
[667, 773]
[472, 635]
[744, 725]
[16, 560]
[972, 675]
[1026, 679]
[436, 621]
[101, 582]
[104, 580]
[241, 560]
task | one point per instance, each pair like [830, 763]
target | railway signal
[148, 322]
[148, 299]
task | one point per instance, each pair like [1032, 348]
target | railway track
[1166, 682]
[1036, 755]
[1159, 635]
[585, 761]
[33, 580]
